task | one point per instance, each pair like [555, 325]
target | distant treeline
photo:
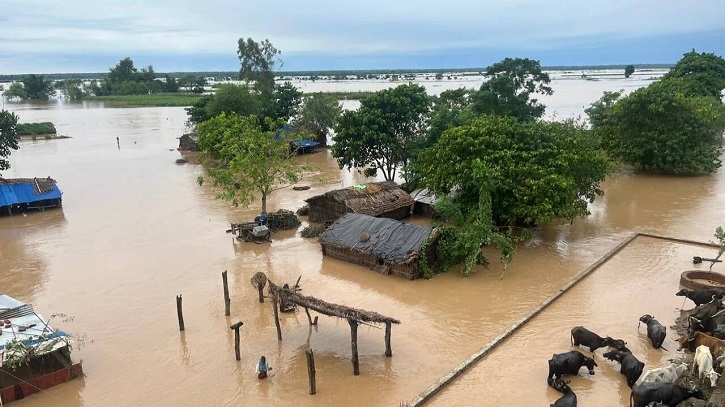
[358, 72]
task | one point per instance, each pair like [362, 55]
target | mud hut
[423, 200]
[388, 246]
[380, 199]
[189, 142]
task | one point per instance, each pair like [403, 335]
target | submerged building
[21, 194]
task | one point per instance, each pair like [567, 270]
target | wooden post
[261, 294]
[179, 312]
[311, 370]
[309, 318]
[388, 349]
[276, 316]
[227, 300]
[236, 327]
[353, 340]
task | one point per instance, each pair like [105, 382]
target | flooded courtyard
[136, 230]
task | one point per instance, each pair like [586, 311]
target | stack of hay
[283, 220]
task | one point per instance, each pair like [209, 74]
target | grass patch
[35, 129]
[156, 99]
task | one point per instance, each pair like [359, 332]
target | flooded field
[136, 230]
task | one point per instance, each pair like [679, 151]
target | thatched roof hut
[189, 142]
[386, 245]
[28, 193]
[381, 199]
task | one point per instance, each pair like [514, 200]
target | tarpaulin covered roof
[27, 190]
[27, 326]
[384, 238]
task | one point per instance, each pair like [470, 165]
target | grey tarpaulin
[384, 238]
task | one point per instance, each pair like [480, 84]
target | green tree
[71, 89]
[382, 133]
[599, 110]
[701, 74]
[245, 161]
[509, 89]
[123, 71]
[258, 60]
[539, 171]
[15, 90]
[628, 71]
[658, 128]
[8, 137]
[198, 112]
[439, 76]
[237, 99]
[320, 112]
[450, 109]
[284, 102]
[33, 87]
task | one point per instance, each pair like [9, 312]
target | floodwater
[136, 230]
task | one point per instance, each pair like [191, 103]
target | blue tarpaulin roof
[305, 143]
[19, 193]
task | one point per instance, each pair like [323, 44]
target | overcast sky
[44, 36]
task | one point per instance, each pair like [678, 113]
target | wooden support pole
[311, 370]
[260, 288]
[276, 316]
[353, 340]
[236, 327]
[309, 318]
[227, 300]
[388, 349]
[179, 312]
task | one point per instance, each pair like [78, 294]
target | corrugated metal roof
[384, 238]
[25, 325]
[25, 193]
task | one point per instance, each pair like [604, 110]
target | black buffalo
[656, 332]
[568, 399]
[631, 367]
[669, 394]
[569, 363]
[700, 297]
[584, 337]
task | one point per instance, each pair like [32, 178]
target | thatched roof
[329, 309]
[388, 239]
[373, 198]
[40, 185]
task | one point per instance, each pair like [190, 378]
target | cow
[700, 297]
[631, 367]
[581, 336]
[669, 394]
[568, 399]
[716, 346]
[656, 332]
[569, 363]
[707, 323]
[703, 363]
[668, 374]
[703, 313]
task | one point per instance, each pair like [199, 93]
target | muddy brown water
[136, 230]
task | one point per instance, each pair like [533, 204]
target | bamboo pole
[311, 370]
[353, 341]
[309, 318]
[276, 316]
[179, 312]
[388, 349]
[227, 300]
[236, 327]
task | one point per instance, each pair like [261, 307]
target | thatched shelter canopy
[388, 239]
[329, 309]
[385, 199]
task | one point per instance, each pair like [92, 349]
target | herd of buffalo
[656, 387]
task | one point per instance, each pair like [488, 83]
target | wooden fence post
[311, 370]
[179, 312]
[276, 316]
[353, 340]
[261, 294]
[236, 327]
[388, 349]
[227, 300]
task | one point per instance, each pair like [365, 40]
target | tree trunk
[264, 202]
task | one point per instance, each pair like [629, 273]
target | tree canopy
[384, 131]
[320, 112]
[539, 171]
[32, 87]
[599, 110]
[510, 88]
[8, 137]
[244, 161]
[237, 99]
[628, 71]
[659, 128]
[700, 74]
[258, 60]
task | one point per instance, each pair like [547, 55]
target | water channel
[136, 230]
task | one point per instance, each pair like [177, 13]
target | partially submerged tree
[510, 89]
[31, 87]
[628, 71]
[258, 60]
[237, 99]
[599, 110]
[703, 74]
[320, 112]
[246, 162]
[8, 137]
[382, 133]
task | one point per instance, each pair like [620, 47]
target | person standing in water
[261, 368]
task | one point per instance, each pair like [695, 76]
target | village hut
[189, 142]
[21, 194]
[386, 245]
[423, 200]
[381, 199]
